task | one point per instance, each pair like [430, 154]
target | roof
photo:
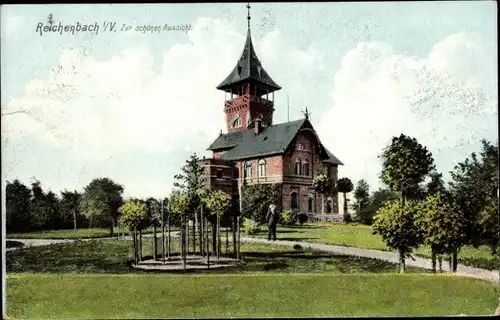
[271, 140]
[248, 68]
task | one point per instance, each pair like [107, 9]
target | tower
[251, 91]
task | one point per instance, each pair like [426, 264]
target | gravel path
[491, 276]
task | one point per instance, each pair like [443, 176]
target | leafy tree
[474, 186]
[18, 197]
[101, 200]
[133, 216]
[257, 198]
[442, 226]
[180, 205]
[218, 203]
[344, 185]
[155, 218]
[377, 200]
[53, 219]
[362, 196]
[71, 206]
[405, 164]
[436, 184]
[395, 222]
[322, 184]
[39, 211]
[192, 181]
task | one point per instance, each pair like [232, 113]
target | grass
[114, 256]
[360, 236]
[84, 233]
[245, 295]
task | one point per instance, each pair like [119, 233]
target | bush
[348, 218]
[288, 218]
[302, 218]
[250, 226]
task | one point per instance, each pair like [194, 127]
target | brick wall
[273, 169]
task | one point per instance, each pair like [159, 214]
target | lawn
[123, 296]
[360, 236]
[114, 256]
[83, 233]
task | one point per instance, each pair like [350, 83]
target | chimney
[257, 126]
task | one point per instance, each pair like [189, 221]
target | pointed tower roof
[248, 68]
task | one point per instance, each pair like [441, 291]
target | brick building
[254, 150]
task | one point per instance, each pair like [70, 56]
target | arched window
[237, 122]
[297, 168]
[300, 146]
[305, 168]
[248, 169]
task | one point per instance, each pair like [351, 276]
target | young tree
[192, 182]
[396, 225]
[344, 185]
[101, 200]
[134, 215]
[71, 205]
[322, 184]
[362, 196]
[442, 226]
[39, 212]
[218, 202]
[179, 205]
[154, 214]
[18, 197]
[405, 163]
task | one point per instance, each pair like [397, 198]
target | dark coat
[272, 217]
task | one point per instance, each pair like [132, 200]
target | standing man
[272, 218]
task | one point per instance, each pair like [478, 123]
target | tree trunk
[200, 233]
[154, 242]
[163, 238]
[134, 245]
[218, 236]
[433, 258]
[238, 243]
[168, 236]
[440, 260]
[74, 219]
[186, 244]
[227, 240]
[233, 224]
[140, 245]
[207, 244]
[111, 228]
[450, 262]
[401, 261]
[214, 237]
[194, 233]
[455, 260]
[187, 234]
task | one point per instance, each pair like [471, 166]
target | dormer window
[300, 146]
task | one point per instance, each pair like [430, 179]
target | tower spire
[248, 16]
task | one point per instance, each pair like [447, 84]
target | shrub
[302, 218]
[297, 246]
[347, 218]
[288, 218]
[250, 226]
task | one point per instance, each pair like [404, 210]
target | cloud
[101, 109]
[446, 100]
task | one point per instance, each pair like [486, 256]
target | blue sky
[132, 106]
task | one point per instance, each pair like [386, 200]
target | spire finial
[306, 114]
[248, 15]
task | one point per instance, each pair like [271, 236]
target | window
[310, 203]
[248, 170]
[300, 146]
[219, 173]
[297, 168]
[305, 168]
[237, 122]
[262, 168]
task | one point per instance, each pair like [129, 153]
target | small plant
[288, 218]
[302, 218]
[297, 246]
[250, 226]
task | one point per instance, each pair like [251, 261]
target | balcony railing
[246, 98]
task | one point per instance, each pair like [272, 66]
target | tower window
[219, 173]
[297, 168]
[305, 168]
[262, 168]
[248, 170]
[236, 122]
[300, 146]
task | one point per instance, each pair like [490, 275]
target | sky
[132, 105]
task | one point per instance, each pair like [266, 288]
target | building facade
[256, 151]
